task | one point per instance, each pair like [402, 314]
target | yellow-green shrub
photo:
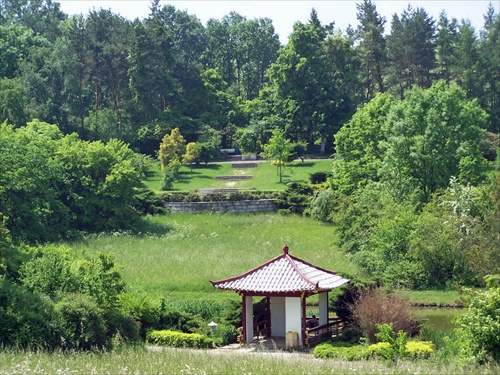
[179, 339]
[340, 350]
[419, 349]
[414, 349]
[382, 349]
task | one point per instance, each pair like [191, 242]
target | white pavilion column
[293, 316]
[248, 314]
[323, 308]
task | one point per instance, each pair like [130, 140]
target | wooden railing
[259, 330]
[334, 327]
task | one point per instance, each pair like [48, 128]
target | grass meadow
[264, 176]
[186, 251]
[140, 360]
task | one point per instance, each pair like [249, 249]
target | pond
[439, 318]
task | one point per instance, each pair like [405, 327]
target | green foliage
[168, 180]
[412, 349]
[80, 323]
[478, 329]
[225, 334]
[419, 349]
[397, 343]
[49, 272]
[25, 318]
[392, 346]
[295, 198]
[341, 351]
[382, 350]
[172, 147]
[319, 177]
[323, 205]
[278, 151]
[191, 154]
[179, 339]
[148, 203]
[359, 145]
[433, 135]
[63, 183]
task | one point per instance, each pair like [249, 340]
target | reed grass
[140, 360]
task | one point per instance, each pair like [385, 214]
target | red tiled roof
[283, 274]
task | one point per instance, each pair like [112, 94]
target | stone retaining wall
[236, 207]
[245, 165]
[223, 191]
[233, 177]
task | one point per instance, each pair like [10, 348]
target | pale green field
[264, 176]
[194, 249]
[139, 360]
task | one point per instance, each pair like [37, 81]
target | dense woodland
[409, 109]
[104, 76]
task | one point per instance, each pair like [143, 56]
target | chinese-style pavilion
[286, 281]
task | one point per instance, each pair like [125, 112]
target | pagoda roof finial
[285, 249]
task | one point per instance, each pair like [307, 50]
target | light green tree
[278, 151]
[172, 147]
[191, 154]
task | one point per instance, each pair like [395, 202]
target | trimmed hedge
[179, 339]
[341, 350]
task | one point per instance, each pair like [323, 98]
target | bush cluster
[179, 339]
[478, 329]
[390, 347]
[295, 199]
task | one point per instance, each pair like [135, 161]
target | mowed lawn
[194, 249]
[264, 177]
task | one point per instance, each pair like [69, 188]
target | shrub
[179, 339]
[225, 334]
[382, 350]
[419, 349]
[386, 334]
[24, 317]
[295, 198]
[80, 323]
[351, 335]
[148, 203]
[168, 180]
[322, 205]
[340, 350]
[319, 177]
[377, 307]
[478, 329]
